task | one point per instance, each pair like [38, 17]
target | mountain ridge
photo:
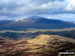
[36, 22]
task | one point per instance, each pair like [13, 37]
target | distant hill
[3, 22]
[36, 22]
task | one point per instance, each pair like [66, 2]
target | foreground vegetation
[41, 45]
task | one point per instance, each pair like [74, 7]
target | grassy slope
[42, 45]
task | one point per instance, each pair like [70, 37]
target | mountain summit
[36, 22]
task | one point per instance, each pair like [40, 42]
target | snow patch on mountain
[21, 19]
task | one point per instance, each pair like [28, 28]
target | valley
[29, 34]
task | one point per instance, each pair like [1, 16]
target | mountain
[3, 22]
[42, 45]
[36, 22]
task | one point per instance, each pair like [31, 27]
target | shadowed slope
[35, 22]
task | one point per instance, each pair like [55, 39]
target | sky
[53, 9]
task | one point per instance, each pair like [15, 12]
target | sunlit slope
[45, 39]
[41, 45]
[53, 44]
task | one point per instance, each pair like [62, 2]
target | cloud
[53, 5]
[21, 8]
[71, 5]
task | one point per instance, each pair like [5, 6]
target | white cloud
[46, 5]
[36, 7]
[53, 5]
[71, 5]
